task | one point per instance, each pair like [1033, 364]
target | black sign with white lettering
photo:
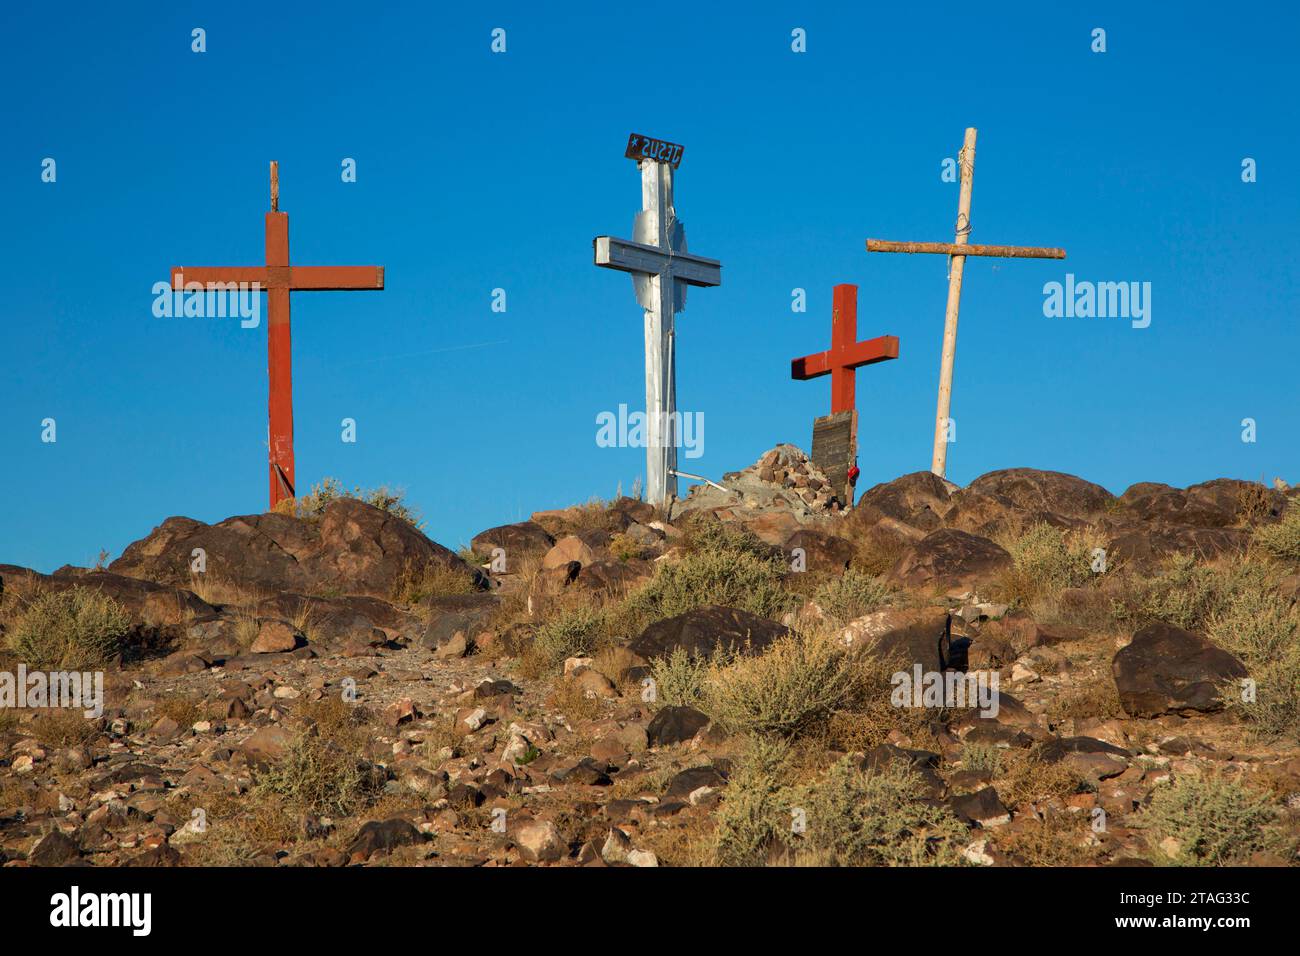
[658, 150]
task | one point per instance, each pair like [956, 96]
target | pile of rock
[783, 479]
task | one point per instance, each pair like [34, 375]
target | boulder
[919, 499]
[821, 551]
[520, 538]
[567, 549]
[905, 636]
[703, 630]
[951, 561]
[1049, 492]
[352, 548]
[1169, 670]
[674, 725]
[539, 842]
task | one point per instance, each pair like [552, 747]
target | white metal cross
[661, 270]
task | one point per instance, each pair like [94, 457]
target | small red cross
[846, 353]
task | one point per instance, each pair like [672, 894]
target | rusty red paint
[279, 278]
[846, 353]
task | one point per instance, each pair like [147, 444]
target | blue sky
[478, 171]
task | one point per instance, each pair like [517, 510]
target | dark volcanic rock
[354, 548]
[1050, 492]
[383, 836]
[919, 499]
[521, 538]
[1169, 670]
[950, 560]
[54, 849]
[822, 551]
[703, 630]
[673, 725]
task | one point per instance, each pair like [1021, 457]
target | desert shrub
[1094, 696]
[65, 728]
[1282, 539]
[720, 565]
[876, 554]
[69, 630]
[1059, 839]
[1022, 778]
[982, 757]
[851, 595]
[1046, 560]
[312, 505]
[1263, 629]
[424, 579]
[1189, 593]
[323, 769]
[845, 817]
[1211, 820]
[754, 819]
[576, 632]
[625, 548]
[679, 679]
[798, 682]
[875, 818]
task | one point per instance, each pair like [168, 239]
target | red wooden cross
[279, 278]
[846, 353]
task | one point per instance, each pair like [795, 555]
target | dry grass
[74, 629]
[1059, 839]
[58, 727]
[430, 579]
[1023, 778]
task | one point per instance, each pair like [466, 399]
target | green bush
[721, 565]
[679, 679]
[69, 630]
[792, 687]
[754, 819]
[1211, 820]
[317, 775]
[312, 505]
[1263, 629]
[1282, 539]
[847, 817]
[1189, 594]
[1049, 559]
[851, 595]
[575, 633]
[876, 818]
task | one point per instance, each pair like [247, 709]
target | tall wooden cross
[958, 249]
[279, 278]
[835, 436]
[661, 270]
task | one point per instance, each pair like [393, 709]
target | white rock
[643, 858]
[476, 719]
[975, 854]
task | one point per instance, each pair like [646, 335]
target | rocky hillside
[729, 684]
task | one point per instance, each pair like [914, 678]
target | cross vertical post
[661, 270]
[956, 268]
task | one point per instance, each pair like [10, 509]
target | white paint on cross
[661, 270]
